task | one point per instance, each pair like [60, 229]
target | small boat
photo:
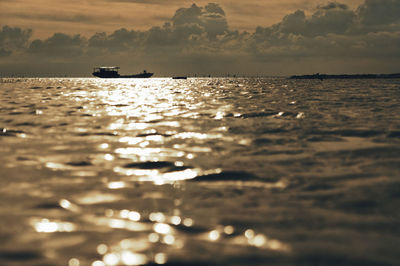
[112, 72]
[179, 77]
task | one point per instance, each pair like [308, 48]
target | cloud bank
[198, 40]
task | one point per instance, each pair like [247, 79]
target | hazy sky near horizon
[251, 37]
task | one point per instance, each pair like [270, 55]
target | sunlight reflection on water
[146, 106]
[167, 231]
[131, 172]
[46, 226]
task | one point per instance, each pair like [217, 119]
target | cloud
[188, 26]
[56, 17]
[59, 45]
[211, 18]
[333, 30]
[331, 18]
[12, 39]
[333, 5]
[197, 39]
[379, 12]
[150, 2]
[119, 40]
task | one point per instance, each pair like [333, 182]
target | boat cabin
[106, 72]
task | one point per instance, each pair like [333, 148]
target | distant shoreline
[347, 76]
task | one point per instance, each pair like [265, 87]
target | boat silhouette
[112, 72]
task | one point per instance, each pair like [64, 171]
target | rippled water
[199, 172]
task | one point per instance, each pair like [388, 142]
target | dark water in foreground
[199, 172]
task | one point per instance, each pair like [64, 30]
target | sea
[203, 171]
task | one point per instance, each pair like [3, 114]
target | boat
[179, 77]
[112, 72]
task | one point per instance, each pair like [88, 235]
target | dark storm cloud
[12, 39]
[198, 39]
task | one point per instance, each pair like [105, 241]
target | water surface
[214, 171]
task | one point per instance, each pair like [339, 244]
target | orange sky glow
[88, 17]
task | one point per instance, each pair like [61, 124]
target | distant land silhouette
[347, 76]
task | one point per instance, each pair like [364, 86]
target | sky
[179, 37]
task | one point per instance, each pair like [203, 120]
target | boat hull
[142, 75]
[113, 76]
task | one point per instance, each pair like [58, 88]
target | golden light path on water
[153, 104]
[133, 111]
